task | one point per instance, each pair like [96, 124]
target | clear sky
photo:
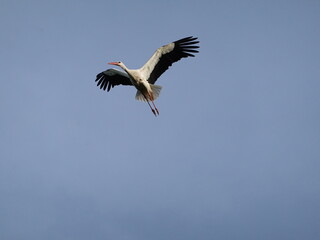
[234, 154]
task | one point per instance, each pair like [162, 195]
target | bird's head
[115, 63]
[119, 64]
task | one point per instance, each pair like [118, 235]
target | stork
[143, 79]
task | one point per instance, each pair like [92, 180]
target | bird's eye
[119, 62]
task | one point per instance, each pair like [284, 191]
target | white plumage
[145, 77]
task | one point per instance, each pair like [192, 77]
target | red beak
[113, 63]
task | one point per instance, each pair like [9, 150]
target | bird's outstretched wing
[166, 55]
[112, 77]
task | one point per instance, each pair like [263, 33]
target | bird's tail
[155, 92]
[156, 89]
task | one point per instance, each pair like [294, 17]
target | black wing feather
[112, 77]
[182, 48]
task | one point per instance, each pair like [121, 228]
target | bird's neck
[123, 67]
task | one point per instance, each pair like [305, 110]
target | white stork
[144, 78]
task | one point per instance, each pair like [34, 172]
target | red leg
[151, 98]
[153, 111]
[155, 107]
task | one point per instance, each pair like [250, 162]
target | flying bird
[143, 79]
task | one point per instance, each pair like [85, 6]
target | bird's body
[143, 79]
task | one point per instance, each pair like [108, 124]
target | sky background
[234, 154]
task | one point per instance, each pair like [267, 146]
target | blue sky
[234, 153]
